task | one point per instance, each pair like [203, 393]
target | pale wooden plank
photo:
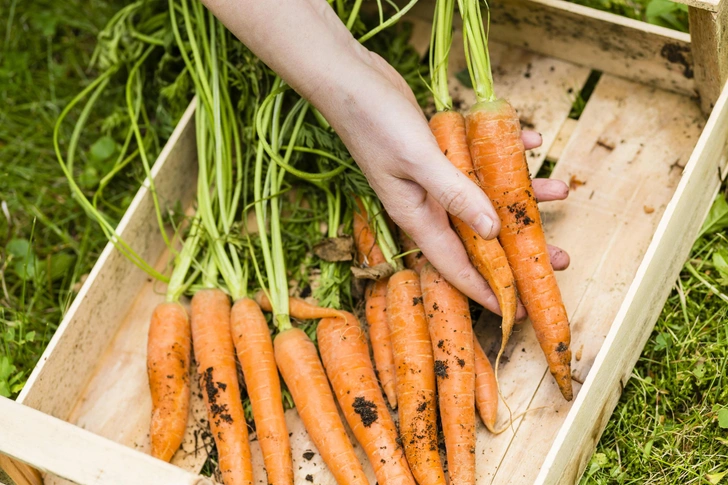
[642, 304]
[598, 40]
[60, 448]
[626, 149]
[709, 33]
[562, 138]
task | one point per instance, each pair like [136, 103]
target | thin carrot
[493, 132]
[304, 375]
[413, 257]
[494, 136]
[298, 308]
[488, 257]
[376, 312]
[215, 357]
[451, 331]
[345, 355]
[415, 377]
[368, 251]
[255, 352]
[168, 366]
[486, 388]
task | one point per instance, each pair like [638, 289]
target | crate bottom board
[623, 161]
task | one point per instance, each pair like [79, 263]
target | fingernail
[483, 225]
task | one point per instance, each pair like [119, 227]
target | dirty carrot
[215, 357]
[255, 352]
[376, 313]
[168, 366]
[451, 332]
[368, 251]
[304, 375]
[494, 136]
[413, 257]
[486, 388]
[448, 127]
[298, 308]
[415, 377]
[345, 355]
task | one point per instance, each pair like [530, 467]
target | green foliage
[659, 12]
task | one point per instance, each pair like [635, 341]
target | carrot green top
[475, 36]
[439, 53]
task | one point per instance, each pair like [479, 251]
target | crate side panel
[643, 303]
[623, 163]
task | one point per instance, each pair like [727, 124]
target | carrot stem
[441, 41]
[477, 56]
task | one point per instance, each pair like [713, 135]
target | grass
[670, 425]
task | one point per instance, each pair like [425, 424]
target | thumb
[458, 195]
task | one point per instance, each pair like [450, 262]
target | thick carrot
[494, 136]
[255, 352]
[168, 365]
[368, 251]
[451, 332]
[298, 308]
[486, 388]
[414, 260]
[415, 377]
[488, 257]
[215, 357]
[345, 355]
[304, 375]
[376, 313]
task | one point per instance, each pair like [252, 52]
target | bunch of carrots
[257, 149]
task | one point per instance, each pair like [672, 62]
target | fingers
[430, 228]
[559, 258]
[531, 139]
[550, 189]
[457, 194]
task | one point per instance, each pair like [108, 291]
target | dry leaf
[377, 272]
[575, 182]
[334, 249]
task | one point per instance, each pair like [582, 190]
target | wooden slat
[710, 49]
[709, 5]
[623, 161]
[598, 40]
[642, 304]
[79, 456]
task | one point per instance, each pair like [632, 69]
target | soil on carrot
[366, 410]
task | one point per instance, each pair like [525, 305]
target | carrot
[298, 308]
[414, 260]
[488, 257]
[376, 314]
[494, 136]
[168, 366]
[415, 377]
[345, 355]
[304, 375]
[255, 352]
[451, 331]
[486, 388]
[368, 251]
[215, 357]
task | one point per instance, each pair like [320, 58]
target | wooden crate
[644, 166]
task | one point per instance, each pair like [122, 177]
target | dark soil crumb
[561, 347]
[308, 454]
[461, 363]
[435, 307]
[309, 478]
[416, 300]
[366, 410]
[421, 408]
[441, 369]
[519, 210]
[440, 344]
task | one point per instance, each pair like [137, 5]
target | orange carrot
[415, 377]
[304, 375]
[255, 352]
[345, 355]
[488, 257]
[298, 308]
[486, 388]
[415, 260]
[368, 251]
[494, 136]
[168, 366]
[215, 357]
[451, 331]
[376, 313]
